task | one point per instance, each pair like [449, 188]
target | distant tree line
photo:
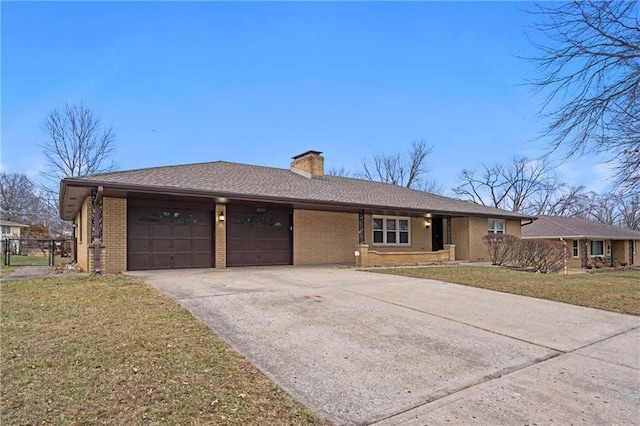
[531, 187]
[524, 185]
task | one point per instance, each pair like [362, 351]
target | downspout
[74, 242]
[97, 215]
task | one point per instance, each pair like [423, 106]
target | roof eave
[221, 195]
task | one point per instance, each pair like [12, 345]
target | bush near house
[539, 255]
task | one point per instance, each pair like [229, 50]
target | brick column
[363, 259]
[452, 251]
[220, 255]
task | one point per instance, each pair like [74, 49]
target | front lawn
[611, 291]
[112, 350]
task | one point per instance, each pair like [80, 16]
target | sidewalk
[27, 272]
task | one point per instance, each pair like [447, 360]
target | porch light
[221, 216]
[427, 223]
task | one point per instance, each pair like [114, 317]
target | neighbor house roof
[9, 223]
[575, 227]
[224, 180]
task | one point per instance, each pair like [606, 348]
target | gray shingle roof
[567, 227]
[225, 179]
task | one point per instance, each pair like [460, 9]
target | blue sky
[260, 82]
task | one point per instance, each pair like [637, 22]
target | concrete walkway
[28, 272]
[365, 348]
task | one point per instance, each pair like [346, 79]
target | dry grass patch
[4, 270]
[610, 291]
[112, 350]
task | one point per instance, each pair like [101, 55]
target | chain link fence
[36, 252]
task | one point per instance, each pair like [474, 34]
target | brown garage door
[258, 236]
[168, 238]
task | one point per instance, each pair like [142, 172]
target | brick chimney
[309, 164]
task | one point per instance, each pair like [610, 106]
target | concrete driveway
[364, 348]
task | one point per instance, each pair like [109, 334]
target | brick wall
[113, 252]
[467, 234]
[420, 236]
[460, 237]
[324, 237]
[220, 233]
[369, 257]
[83, 223]
[573, 262]
[114, 235]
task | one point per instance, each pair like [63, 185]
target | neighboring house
[587, 241]
[221, 214]
[11, 231]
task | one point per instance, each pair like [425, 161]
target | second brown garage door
[258, 236]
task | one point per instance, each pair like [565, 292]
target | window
[576, 249]
[6, 230]
[391, 230]
[597, 248]
[495, 226]
[633, 246]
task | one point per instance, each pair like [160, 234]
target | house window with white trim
[597, 248]
[391, 230]
[576, 248]
[633, 246]
[495, 226]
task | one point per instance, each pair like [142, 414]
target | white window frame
[492, 226]
[597, 241]
[576, 248]
[397, 231]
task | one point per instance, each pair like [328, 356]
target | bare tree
[590, 74]
[342, 171]
[558, 199]
[409, 171]
[617, 209]
[512, 187]
[488, 189]
[600, 208]
[629, 208]
[76, 144]
[21, 200]
[16, 192]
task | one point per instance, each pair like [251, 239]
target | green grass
[19, 260]
[112, 350]
[4, 270]
[611, 291]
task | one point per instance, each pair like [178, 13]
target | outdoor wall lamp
[427, 223]
[221, 216]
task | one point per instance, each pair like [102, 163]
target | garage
[258, 236]
[168, 238]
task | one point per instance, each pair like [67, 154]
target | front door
[437, 240]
